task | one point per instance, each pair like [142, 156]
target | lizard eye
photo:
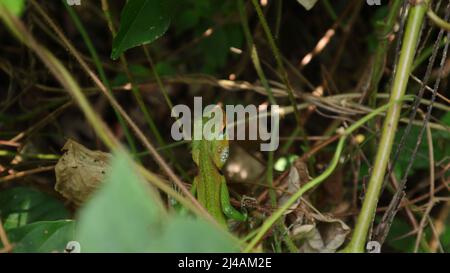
[224, 154]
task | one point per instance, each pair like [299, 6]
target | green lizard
[210, 184]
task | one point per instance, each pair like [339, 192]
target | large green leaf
[184, 235]
[42, 237]
[121, 217]
[142, 22]
[16, 7]
[21, 206]
[125, 215]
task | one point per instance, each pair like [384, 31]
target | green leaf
[42, 237]
[185, 235]
[122, 217]
[441, 148]
[142, 22]
[307, 4]
[125, 215]
[16, 7]
[397, 240]
[214, 50]
[21, 206]
[140, 73]
[446, 119]
[165, 69]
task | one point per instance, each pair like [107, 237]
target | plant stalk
[410, 41]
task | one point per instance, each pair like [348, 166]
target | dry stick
[41, 123]
[439, 226]
[404, 203]
[240, 86]
[409, 213]
[435, 234]
[26, 173]
[442, 97]
[10, 143]
[56, 68]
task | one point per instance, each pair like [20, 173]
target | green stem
[426, 53]
[380, 54]
[410, 40]
[134, 88]
[329, 9]
[137, 92]
[278, 59]
[262, 77]
[438, 21]
[5, 153]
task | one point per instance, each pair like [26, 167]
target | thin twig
[431, 202]
[7, 246]
[23, 174]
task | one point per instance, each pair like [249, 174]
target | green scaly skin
[212, 192]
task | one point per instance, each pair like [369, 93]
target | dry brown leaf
[325, 234]
[80, 171]
[297, 177]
